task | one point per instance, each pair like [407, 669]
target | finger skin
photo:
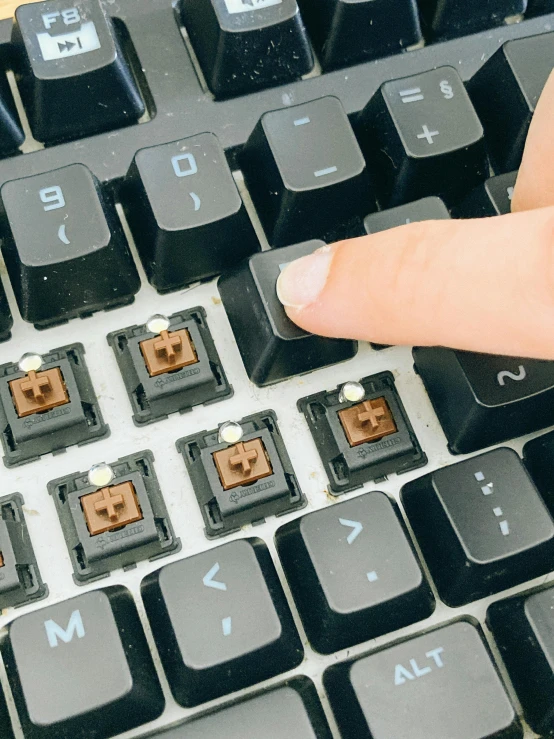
[482, 285]
[535, 183]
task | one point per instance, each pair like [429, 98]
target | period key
[185, 211]
[353, 572]
[439, 684]
[82, 668]
[424, 135]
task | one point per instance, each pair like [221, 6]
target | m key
[64, 247]
[82, 668]
[353, 572]
[71, 71]
[482, 399]
[185, 211]
[424, 134]
[436, 685]
[481, 524]
[221, 621]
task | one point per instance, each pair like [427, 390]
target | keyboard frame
[183, 108]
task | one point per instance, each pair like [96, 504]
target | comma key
[82, 668]
[440, 684]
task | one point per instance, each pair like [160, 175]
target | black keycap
[246, 45]
[82, 668]
[538, 455]
[185, 211]
[272, 347]
[482, 399]
[440, 684]
[291, 711]
[6, 320]
[347, 32]
[505, 92]
[353, 573]
[64, 247]
[481, 525]
[221, 621]
[11, 133]
[450, 18]
[71, 71]
[540, 7]
[6, 731]
[426, 209]
[492, 198]
[305, 171]
[523, 628]
[424, 134]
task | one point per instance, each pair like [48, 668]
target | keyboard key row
[221, 623]
[80, 53]
[306, 174]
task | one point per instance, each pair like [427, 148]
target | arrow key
[221, 621]
[353, 572]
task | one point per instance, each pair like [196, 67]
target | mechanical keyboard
[212, 523]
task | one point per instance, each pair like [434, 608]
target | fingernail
[302, 281]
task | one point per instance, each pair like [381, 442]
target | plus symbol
[243, 457]
[36, 386]
[168, 345]
[427, 134]
[109, 503]
[371, 414]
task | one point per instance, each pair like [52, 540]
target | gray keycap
[523, 627]
[292, 711]
[305, 171]
[481, 525]
[353, 572]
[185, 212]
[426, 209]
[426, 137]
[441, 684]
[221, 621]
[82, 668]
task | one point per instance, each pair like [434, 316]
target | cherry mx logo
[245, 6]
